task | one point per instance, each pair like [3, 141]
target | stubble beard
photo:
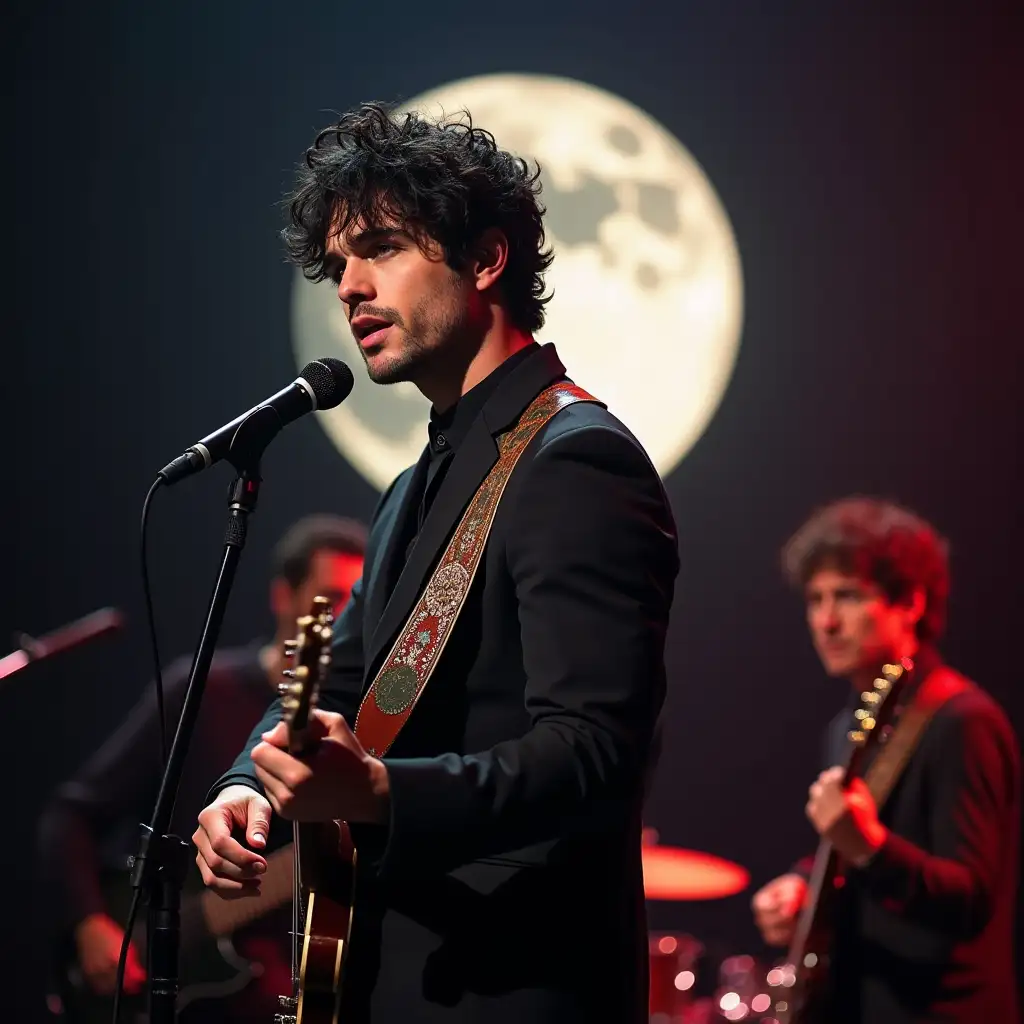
[432, 338]
[395, 367]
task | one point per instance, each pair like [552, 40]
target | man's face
[853, 625]
[409, 311]
[331, 575]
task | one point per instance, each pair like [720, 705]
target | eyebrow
[367, 236]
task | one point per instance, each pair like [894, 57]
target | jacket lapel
[471, 464]
[391, 558]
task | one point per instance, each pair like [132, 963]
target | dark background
[871, 161]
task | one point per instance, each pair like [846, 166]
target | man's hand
[338, 780]
[847, 818]
[228, 867]
[99, 939]
[776, 907]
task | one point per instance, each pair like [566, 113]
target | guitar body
[801, 986]
[327, 874]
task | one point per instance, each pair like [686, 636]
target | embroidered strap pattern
[389, 701]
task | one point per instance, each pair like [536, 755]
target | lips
[369, 330]
[834, 648]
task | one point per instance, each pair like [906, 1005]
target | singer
[499, 839]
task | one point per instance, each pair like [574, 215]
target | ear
[916, 604]
[490, 255]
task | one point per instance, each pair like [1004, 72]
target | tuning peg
[856, 736]
[325, 660]
[870, 697]
[300, 672]
[868, 724]
[291, 645]
[287, 1002]
[881, 685]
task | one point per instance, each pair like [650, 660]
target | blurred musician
[925, 917]
[91, 824]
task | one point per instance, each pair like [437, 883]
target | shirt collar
[448, 429]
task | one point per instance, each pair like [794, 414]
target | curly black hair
[881, 542]
[441, 179]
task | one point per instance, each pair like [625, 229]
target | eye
[384, 249]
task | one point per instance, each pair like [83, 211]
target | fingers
[216, 822]
[332, 724]
[227, 858]
[227, 888]
[258, 826]
[219, 856]
[100, 971]
[280, 774]
[278, 736]
[280, 764]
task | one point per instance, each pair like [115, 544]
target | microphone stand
[160, 866]
[31, 649]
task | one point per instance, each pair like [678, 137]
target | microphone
[321, 384]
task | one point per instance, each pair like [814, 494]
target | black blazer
[926, 930]
[508, 885]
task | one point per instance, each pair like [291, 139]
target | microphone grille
[330, 379]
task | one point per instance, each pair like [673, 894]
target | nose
[355, 285]
[826, 617]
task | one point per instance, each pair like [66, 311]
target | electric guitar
[209, 966]
[324, 855]
[801, 984]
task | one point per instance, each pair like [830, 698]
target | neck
[466, 369]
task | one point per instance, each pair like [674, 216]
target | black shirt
[447, 430]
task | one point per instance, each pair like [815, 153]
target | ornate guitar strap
[389, 701]
[888, 765]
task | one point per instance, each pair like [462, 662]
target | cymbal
[671, 873]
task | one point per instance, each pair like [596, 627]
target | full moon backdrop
[866, 162]
[635, 225]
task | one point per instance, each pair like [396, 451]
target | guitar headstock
[876, 707]
[309, 655]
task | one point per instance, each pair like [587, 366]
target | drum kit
[689, 983]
